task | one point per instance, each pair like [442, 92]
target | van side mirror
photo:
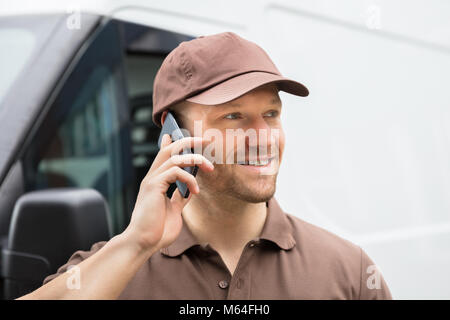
[47, 227]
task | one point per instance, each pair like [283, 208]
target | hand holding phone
[156, 219]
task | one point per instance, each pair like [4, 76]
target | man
[229, 239]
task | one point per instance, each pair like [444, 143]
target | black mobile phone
[171, 127]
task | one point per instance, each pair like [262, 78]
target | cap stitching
[186, 67]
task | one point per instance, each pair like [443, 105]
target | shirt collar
[276, 229]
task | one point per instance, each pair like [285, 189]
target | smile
[256, 163]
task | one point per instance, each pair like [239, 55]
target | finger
[185, 143]
[186, 160]
[166, 140]
[176, 173]
[177, 201]
[175, 148]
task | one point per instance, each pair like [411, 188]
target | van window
[84, 140]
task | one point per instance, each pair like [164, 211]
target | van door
[84, 140]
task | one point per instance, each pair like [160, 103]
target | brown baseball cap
[215, 69]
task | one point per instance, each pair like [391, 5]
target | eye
[271, 114]
[232, 116]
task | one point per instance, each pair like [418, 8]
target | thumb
[166, 140]
[178, 202]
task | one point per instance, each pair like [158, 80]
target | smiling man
[229, 239]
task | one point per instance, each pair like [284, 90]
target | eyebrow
[274, 101]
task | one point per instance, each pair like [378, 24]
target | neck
[226, 223]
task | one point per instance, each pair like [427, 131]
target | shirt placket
[236, 286]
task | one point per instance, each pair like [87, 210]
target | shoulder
[338, 258]
[333, 258]
[311, 237]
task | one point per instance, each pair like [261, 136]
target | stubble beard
[225, 181]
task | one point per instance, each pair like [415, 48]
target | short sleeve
[76, 258]
[373, 285]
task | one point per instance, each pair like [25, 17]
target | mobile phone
[171, 127]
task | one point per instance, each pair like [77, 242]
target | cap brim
[237, 86]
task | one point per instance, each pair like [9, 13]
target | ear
[163, 117]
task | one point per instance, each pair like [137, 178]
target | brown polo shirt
[291, 259]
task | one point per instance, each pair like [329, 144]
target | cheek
[282, 141]
[222, 175]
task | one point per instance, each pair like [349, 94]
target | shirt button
[223, 284]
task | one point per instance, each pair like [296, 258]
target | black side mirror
[47, 227]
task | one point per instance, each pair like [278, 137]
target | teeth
[256, 163]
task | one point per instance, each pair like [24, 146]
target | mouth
[256, 163]
[261, 167]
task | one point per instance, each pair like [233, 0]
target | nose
[263, 131]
